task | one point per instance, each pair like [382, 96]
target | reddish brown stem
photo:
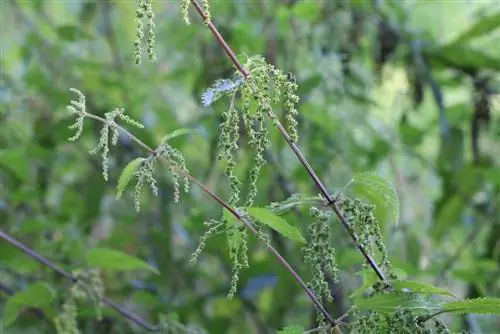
[331, 201]
[233, 211]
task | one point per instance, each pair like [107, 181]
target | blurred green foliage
[409, 89]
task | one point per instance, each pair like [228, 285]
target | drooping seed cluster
[258, 139]
[175, 157]
[320, 256]
[228, 146]
[88, 285]
[213, 227]
[266, 86]
[144, 174]
[401, 321]
[238, 253]
[79, 108]
[362, 220]
[65, 322]
[144, 10]
[102, 145]
[185, 8]
[146, 171]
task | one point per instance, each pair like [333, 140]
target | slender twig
[244, 219]
[46, 262]
[331, 201]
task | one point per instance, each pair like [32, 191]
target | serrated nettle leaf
[37, 295]
[478, 305]
[419, 287]
[393, 301]
[280, 225]
[113, 260]
[126, 175]
[379, 192]
[178, 133]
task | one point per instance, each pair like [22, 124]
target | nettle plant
[385, 303]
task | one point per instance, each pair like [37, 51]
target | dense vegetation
[254, 166]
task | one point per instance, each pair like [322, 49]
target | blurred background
[408, 89]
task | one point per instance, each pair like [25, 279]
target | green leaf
[291, 202]
[177, 133]
[381, 193]
[267, 217]
[448, 215]
[71, 33]
[113, 260]
[419, 287]
[235, 239]
[127, 175]
[390, 302]
[462, 57]
[292, 330]
[482, 27]
[478, 305]
[369, 278]
[15, 160]
[37, 295]
[307, 10]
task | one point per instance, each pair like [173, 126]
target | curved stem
[248, 224]
[319, 184]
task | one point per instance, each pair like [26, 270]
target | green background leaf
[113, 260]
[38, 295]
[379, 192]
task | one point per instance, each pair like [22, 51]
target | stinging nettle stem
[46, 262]
[248, 224]
[330, 200]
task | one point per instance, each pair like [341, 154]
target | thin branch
[46, 262]
[319, 184]
[248, 224]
